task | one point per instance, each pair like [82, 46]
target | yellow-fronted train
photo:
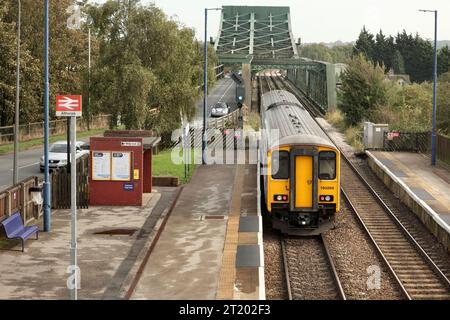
[300, 167]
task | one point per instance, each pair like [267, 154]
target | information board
[121, 166]
[101, 165]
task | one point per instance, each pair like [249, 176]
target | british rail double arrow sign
[68, 106]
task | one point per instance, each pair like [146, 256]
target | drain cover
[117, 232]
[213, 217]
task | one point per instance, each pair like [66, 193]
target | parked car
[57, 155]
[220, 109]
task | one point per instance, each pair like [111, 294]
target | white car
[220, 109]
[57, 155]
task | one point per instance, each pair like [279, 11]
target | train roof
[281, 110]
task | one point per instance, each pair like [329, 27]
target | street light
[47, 209]
[16, 116]
[205, 85]
[433, 130]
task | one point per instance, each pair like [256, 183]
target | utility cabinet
[374, 135]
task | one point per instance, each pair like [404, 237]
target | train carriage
[302, 181]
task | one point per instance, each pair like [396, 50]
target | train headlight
[328, 198]
[280, 197]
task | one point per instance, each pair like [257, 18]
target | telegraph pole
[47, 208]
[16, 115]
[205, 87]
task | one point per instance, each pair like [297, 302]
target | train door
[304, 166]
[304, 182]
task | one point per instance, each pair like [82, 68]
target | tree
[365, 44]
[443, 60]
[398, 64]
[146, 62]
[363, 89]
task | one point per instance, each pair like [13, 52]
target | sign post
[71, 106]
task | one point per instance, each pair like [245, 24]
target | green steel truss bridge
[261, 38]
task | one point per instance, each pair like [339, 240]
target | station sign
[69, 106]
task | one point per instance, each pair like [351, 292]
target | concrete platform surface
[105, 261]
[195, 257]
[427, 186]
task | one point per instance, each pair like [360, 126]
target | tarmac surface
[186, 261]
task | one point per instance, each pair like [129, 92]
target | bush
[363, 90]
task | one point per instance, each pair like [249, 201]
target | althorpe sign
[68, 106]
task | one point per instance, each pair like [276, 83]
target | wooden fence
[443, 149]
[18, 198]
[61, 191]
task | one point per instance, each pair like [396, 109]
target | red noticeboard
[68, 106]
[116, 177]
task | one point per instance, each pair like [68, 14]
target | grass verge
[25, 145]
[164, 166]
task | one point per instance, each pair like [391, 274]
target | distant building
[400, 79]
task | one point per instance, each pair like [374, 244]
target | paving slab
[104, 260]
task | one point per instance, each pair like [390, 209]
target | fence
[417, 142]
[407, 141]
[443, 148]
[36, 130]
[61, 191]
[228, 120]
[18, 198]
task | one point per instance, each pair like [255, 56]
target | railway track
[309, 269]
[417, 275]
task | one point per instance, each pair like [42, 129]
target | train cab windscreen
[280, 165]
[327, 165]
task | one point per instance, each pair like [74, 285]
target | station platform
[211, 246]
[423, 188]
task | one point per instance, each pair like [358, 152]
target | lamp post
[47, 209]
[205, 86]
[433, 130]
[16, 115]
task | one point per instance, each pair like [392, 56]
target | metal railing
[407, 141]
[56, 127]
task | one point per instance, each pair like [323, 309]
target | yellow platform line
[227, 276]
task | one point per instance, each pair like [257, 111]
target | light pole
[433, 130]
[47, 208]
[205, 86]
[16, 115]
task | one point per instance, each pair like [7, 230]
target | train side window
[327, 165]
[280, 161]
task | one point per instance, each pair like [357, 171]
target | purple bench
[15, 229]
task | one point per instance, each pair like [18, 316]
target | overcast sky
[326, 20]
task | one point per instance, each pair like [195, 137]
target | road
[28, 165]
[223, 91]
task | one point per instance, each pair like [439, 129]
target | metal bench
[15, 229]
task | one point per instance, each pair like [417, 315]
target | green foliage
[320, 52]
[146, 61]
[141, 60]
[405, 53]
[364, 44]
[363, 89]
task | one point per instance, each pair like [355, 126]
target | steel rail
[438, 272]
